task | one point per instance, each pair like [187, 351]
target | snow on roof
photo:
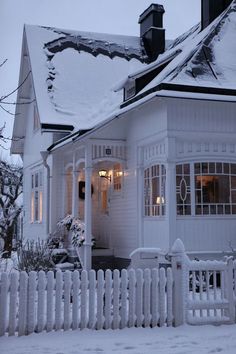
[74, 73]
[202, 58]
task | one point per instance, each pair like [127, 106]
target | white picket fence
[193, 292]
[37, 302]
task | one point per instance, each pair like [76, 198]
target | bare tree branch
[6, 110]
[4, 62]
[18, 103]
[16, 89]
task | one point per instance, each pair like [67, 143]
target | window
[215, 188]
[154, 190]
[183, 195]
[37, 197]
[117, 177]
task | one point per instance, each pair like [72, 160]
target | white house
[165, 145]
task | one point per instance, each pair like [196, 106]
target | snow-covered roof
[74, 73]
[198, 59]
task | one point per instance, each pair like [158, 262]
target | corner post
[230, 289]
[88, 209]
[180, 276]
[75, 188]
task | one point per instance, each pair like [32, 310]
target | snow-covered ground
[181, 340]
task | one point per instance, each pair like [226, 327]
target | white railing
[37, 302]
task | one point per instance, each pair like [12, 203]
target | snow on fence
[37, 302]
[204, 291]
[211, 295]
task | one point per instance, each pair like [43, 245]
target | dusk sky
[107, 16]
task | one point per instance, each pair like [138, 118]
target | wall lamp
[104, 174]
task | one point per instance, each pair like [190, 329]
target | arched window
[154, 190]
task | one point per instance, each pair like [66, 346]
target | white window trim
[38, 189]
[193, 190]
[162, 214]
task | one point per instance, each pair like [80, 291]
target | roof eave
[182, 88]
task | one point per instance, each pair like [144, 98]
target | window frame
[118, 176]
[207, 170]
[36, 199]
[154, 190]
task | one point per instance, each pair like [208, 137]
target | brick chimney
[151, 30]
[212, 9]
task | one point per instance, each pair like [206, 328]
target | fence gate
[210, 292]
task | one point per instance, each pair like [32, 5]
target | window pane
[214, 188]
[36, 180]
[36, 205]
[117, 177]
[204, 168]
[179, 169]
[219, 168]
[155, 191]
[226, 168]
[197, 168]
[187, 169]
[233, 182]
[183, 196]
[212, 168]
[40, 179]
[233, 169]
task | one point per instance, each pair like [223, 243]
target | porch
[92, 178]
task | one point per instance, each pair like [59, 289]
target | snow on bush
[77, 228]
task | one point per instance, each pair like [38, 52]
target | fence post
[230, 289]
[178, 263]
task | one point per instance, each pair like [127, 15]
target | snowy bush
[77, 228]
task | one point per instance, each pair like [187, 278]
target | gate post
[180, 277]
[230, 289]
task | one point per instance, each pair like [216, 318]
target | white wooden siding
[33, 144]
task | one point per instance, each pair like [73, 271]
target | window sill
[205, 217]
[155, 218]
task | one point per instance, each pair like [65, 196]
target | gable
[74, 73]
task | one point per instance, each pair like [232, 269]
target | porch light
[104, 174]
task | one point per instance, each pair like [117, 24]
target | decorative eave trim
[71, 137]
[182, 88]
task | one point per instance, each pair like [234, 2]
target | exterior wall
[203, 131]
[148, 130]
[163, 131]
[32, 161]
